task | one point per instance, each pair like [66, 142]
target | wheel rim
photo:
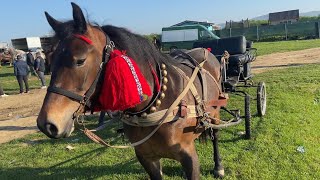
[262, 99]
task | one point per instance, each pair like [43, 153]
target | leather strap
[204, 79]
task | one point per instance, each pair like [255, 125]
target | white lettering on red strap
[135, 76]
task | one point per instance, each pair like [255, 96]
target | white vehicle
[183, 37]
[27, 43]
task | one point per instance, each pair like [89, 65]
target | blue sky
[26, 18]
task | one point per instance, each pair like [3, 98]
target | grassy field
[10, 84]
[292, 120]
[285, 46]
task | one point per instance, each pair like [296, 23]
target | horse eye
[80, 62]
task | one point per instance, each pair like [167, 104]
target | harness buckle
[110, 45]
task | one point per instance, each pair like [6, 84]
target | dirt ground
[18, 113]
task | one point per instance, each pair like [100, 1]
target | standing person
[21, 73]
[157, 43]
[2, 94]
[39, 66]
[30, 62]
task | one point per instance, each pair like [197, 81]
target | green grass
[285, 46]
[292, 120]
[10, 84]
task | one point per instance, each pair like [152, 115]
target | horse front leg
[190, 162]
[218, 167]
[153, 168]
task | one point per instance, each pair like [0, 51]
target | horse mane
[136, 46]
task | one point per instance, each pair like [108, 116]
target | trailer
[27, 43]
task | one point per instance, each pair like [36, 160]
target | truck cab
[183, 37]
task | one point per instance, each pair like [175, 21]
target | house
[240, 24]
[284, 17]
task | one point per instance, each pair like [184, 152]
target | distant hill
[310, 13]
[266, 17]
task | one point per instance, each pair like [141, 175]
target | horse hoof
[218, 173]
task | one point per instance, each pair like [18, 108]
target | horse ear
[53, 23]
[78, 17]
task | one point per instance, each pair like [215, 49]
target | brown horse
[77, 66]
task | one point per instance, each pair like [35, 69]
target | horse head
[76, 65]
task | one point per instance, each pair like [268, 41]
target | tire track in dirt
[286, 59]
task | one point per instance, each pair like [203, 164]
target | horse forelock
[66, 30]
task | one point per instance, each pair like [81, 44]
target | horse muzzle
[53, 130]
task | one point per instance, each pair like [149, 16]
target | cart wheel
[247, 116]
[261, 99]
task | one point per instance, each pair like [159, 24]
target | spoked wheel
[261, 99]
[247, 116]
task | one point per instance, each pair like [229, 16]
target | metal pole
[317, 29]
[257, 33]
[286, 30]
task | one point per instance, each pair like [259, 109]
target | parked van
[183, 37]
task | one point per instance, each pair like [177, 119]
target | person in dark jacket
[39, 66]
[21, 73]
[30, 62]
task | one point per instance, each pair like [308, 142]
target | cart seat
[234, 45]
[238, 47]
[240, 59]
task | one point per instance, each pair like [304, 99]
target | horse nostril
[52, 129]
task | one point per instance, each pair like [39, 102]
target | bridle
[84, 100]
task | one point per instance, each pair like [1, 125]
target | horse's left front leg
[153, 168]
[190, 162]
[218, 167]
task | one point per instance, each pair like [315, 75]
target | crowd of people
[24, 68]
